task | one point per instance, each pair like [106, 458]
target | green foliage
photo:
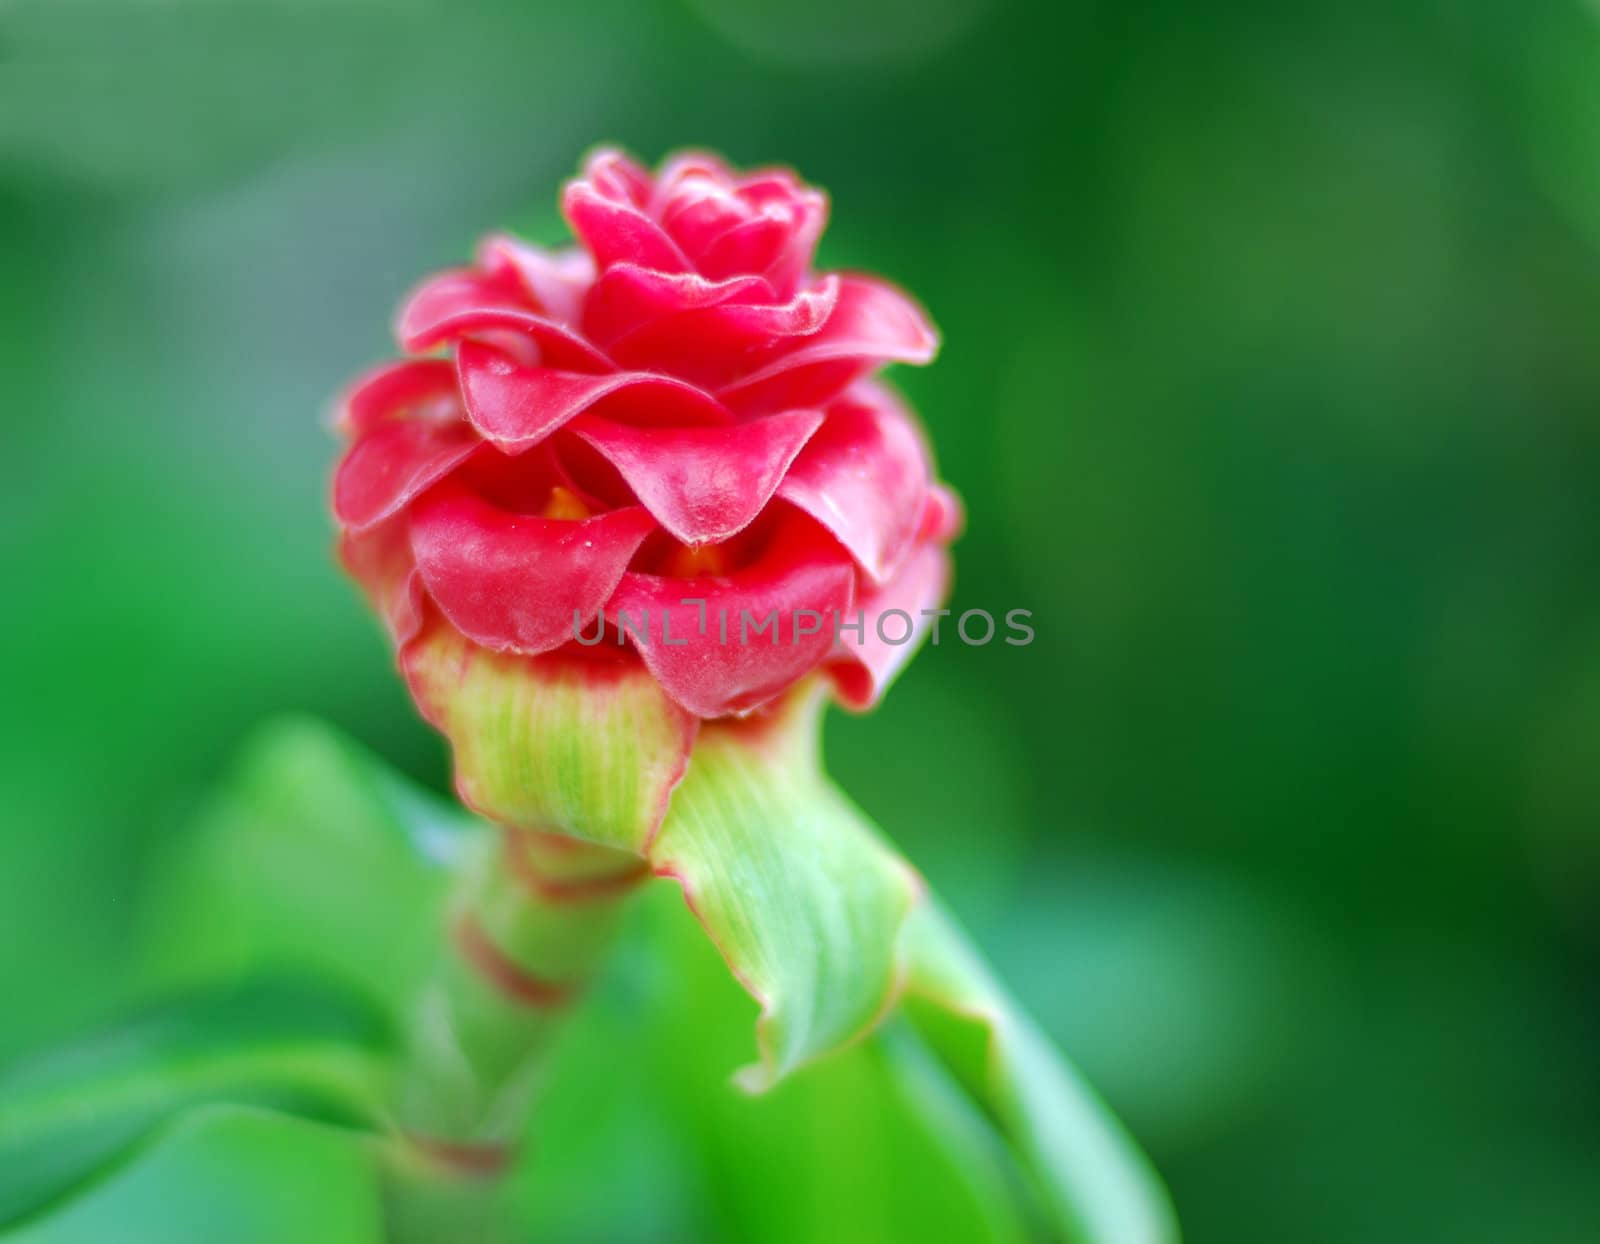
[112, 1119]
[312, 854]
[252, 1085]
[229, 1173]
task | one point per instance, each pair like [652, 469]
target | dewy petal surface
[703, 484]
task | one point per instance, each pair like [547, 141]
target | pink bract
[678, 409]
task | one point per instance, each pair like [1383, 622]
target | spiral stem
[532, 915]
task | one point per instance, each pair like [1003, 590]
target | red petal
[392, 464]
[766, 222]
[703, 484]
[687, 165]
[804, 570]
[627, 296]
[455, 303]
[864, 476]
[942, 516]
[794, 258]
[517, 583]
[751, 246]
[555, 281]
[862, 670]
[713, 345]
[617, 177]
[873, 323]
[516, 406]
[766, 186]
[380, 561]
[425, 388]
[616, 232]
[699, 208]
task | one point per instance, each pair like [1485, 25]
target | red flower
[658, 439]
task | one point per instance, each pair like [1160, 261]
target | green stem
[531, 916]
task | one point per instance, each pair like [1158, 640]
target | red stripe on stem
[482, 1159]
[504, 974]
[567, 889]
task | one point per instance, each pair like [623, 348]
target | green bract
[591, 749]
[808, 916]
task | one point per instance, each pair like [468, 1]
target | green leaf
[69, 1114]
[790, 882]
[228, 1173]
[313, 854]
[826, 928]
[1094, 1184]
[640, 1138]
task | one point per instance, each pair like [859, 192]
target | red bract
[648, 446]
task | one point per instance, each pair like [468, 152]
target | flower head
[665, 444]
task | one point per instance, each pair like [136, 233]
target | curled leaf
[829, 929]
[791, 883]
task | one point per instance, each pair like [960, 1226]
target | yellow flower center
[564, 503]
[691, 562]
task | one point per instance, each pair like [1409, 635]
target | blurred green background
[1271, 378]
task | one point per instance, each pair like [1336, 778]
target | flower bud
[612, 490]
